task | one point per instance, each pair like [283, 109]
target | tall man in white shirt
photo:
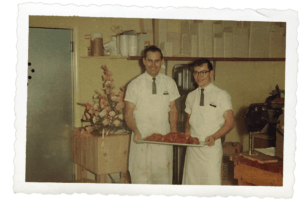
[151, 108]
[209, 117]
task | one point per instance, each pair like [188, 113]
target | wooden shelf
[211, 59]
[104, 57]
[185, 58]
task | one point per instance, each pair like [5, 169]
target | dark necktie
[153, 86]
[202, 98]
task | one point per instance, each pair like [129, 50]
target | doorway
[49, 106]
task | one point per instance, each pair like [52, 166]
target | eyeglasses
[201, 73]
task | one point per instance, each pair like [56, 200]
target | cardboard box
[259, 39]
[194, 46]
[201, 45]
[218, 45]
[240, 42]
[276, 46]
[208, 38]
[174, 38]
[228, 43]
[101, 155]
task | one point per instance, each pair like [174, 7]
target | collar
[208, 88]
[149, 77]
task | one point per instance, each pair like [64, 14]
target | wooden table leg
[101, 178]
[125, 177]
[81, 174]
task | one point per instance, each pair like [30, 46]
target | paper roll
[114, 50]
[133, 45]
[124, 44]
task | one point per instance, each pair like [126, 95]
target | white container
[124, 43]
[133, 45]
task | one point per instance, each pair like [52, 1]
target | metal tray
[202, 143]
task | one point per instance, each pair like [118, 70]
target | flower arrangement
[106, 115]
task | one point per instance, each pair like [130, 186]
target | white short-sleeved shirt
[206, 120]
[164, 84]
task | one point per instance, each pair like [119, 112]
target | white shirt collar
[149, 77]
[207, 88]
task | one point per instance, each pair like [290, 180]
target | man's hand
[137, 137]
[210, 141]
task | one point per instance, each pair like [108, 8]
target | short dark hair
[152, 48]
[200, 62]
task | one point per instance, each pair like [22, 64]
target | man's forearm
[187, 125]
[129, 118]
[227, 127]
[130, 121]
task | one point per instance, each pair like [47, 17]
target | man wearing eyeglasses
[209, 118]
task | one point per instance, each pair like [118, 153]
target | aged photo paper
[288, 16]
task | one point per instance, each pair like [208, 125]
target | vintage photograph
[155, 101]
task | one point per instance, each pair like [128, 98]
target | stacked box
[208, 38]
[218, 46]
[148, 28]
[276, 46]
[228, 43]
[174, 38]
[201, 50]
[240, 42]
[185, 38]
[259, 39]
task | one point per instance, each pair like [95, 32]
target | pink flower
[107, 84]
[108, 78]
[119, 106]
[105, 122]
[112, 113]
[115, 98]
[121, 116]
[103, 103]
[102, 96]
[103, 113]
[107, 108]
[96, 107]
[117, 123]
[91, 111]
[104, 68]
[88, 106]
[108, 91]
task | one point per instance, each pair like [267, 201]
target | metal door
[49, 106]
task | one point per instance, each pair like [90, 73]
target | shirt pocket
[210, 113]
[166, 100]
